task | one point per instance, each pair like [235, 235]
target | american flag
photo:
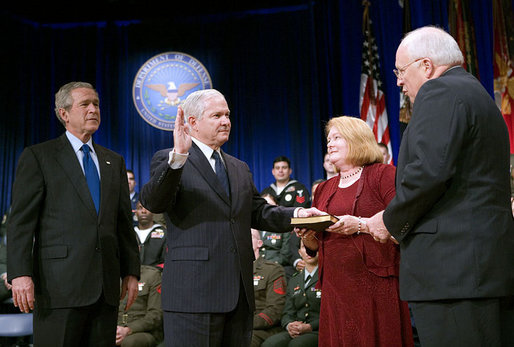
[405, 104]
[372, 99]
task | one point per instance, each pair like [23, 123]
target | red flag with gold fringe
[503, 64]
[463, 30]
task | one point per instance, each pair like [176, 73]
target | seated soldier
[150, 236]
[275, 246]
[269, 287]
[300, 318]
[5, 287]
[141, 325]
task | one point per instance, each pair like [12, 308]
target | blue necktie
[221, 172]
[93, 181]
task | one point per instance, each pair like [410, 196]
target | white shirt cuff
[177, 160]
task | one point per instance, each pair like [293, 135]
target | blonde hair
[363, 149]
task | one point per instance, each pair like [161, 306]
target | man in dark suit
[451, 213]
[210, 202]
[70, 236]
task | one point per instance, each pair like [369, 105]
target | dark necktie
[91, 173]
[221, 172]
[307, 279]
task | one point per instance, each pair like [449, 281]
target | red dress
[360, 304]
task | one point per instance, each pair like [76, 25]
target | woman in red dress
[360, 304]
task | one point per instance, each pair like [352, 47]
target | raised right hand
[181, 137]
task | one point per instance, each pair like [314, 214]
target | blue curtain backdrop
[284, 72]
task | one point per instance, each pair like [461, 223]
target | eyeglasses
[400, 71]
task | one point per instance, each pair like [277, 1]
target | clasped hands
[297, 328]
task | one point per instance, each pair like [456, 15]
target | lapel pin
[108, 162]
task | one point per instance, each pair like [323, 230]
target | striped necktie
[221, 172]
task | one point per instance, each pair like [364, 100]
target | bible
[317, 223]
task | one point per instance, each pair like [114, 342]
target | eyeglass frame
[401, 71]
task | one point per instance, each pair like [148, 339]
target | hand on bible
[308, 212]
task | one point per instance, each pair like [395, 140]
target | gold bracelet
[359, 230]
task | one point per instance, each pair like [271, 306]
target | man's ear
[63, 114]
[192, 121]
[428, 68]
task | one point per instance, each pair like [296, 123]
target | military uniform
[294, 194]
[302, 304]
[153, 249]
[133, 204]
[275, 248]
[144, 317]
[269, 287]
[4, 293]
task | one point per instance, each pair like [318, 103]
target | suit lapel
[106, 174]
[67, 159]
[202, 165]
[232, 173]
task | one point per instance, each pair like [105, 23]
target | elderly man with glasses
[451, 213]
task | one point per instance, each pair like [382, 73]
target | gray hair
[194, 105]
[434, 43]
[63, 98]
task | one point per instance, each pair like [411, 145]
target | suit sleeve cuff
[177, 160]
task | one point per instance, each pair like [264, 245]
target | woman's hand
[348, 225]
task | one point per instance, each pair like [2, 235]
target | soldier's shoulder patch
[279, 286]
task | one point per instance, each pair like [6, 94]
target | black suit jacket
[451, 212]
[77, 254]
[209, 240]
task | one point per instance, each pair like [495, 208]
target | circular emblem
[288, 197]
[163, 83]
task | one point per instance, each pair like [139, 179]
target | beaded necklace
[352, 174]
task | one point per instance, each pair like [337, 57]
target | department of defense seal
[163, 83]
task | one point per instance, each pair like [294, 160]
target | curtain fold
[284, 73]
